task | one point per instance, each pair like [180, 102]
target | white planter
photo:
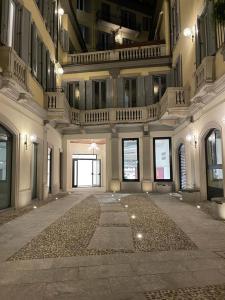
[219, 207]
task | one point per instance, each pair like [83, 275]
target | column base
[147, 186]
[115, 185]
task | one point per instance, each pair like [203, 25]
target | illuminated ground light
[56, 198]
[133, 217]
[198, 206]
[112, 195]
[34, 206]
[119, 199]
[181, 199]
[126, 206]
[139, 236]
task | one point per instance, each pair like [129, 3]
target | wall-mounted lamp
[60, 11]
[32, 138]
[189, 33]
[192, 139]
[59, 71]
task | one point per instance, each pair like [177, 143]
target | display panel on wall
[162, 159]
[130, 149]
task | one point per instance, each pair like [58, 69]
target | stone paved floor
[171, 274]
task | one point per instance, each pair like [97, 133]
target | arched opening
[6, 140]
[214, 164]
[182, 167]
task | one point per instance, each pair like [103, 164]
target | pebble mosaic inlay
[210, 292]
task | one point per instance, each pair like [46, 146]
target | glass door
[96, 172]
[5, 167]
[84, 173]
[214, 164]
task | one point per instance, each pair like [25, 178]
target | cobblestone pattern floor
[211, 292]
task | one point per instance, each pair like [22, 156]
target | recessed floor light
[126, 206]
[56, 198]
[139, 236]
[133, 217]
[198, 206]
[34, 206]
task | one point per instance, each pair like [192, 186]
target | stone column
[147, 174]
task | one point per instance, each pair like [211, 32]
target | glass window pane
[162, 159]
[3, 161]
[130, 160]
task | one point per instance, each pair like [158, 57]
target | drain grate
[212, 292]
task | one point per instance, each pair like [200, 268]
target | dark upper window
[99, 94]
[73, 94]
[162, 159]
[105, 11]
[205, 38]
[159, 87]
[175, 21]
[105, 41]
[80, 4]
[128, 19]
[146, 24]
[85, 33]
[130, 92]
[130, 155]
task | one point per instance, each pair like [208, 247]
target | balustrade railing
[205, 72]
[125, 54]
[13, 66]
[174, 99]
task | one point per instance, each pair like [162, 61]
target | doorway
[5, 167]
[182, 167]
[49, 170]
[34, 170]
[214, 164]
[86, 171]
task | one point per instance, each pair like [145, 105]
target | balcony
[13, 67]
[174, 103]
[125, 54]
[205, 72]
[110, 116]
[57, 107]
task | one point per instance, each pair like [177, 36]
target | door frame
[73, 173]
[206, 159]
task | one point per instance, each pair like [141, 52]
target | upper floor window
[99, 94]
[130, 92]
[205, 38]
[175, 21]
[80, 4]
[177, 73]
[128, 19]
[11, 22]
[105, 11]
[73, 94]
[159, 87]
[85, 33]
[146, 23]
[83, 5]
[105, 40]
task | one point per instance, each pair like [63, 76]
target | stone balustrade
[205, 72]
[125, 54]
[175, 100]
[13, 66]
[58, 107]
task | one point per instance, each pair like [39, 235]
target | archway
[182, 167]
[6, 140]
[214, 164]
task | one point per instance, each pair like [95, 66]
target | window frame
[170, 157]
[130, 91]
[138, 164]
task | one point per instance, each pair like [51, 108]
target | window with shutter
[130, 92]
[159, 87]
[44, 68]
[34, 49]
[25, 36]
[175, 21]
[39, 60]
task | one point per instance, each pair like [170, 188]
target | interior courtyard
[112, 149]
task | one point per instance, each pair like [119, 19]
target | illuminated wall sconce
[192, 139]
[93, 147]
[60, 11]
[32, 138]
[189, 33]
